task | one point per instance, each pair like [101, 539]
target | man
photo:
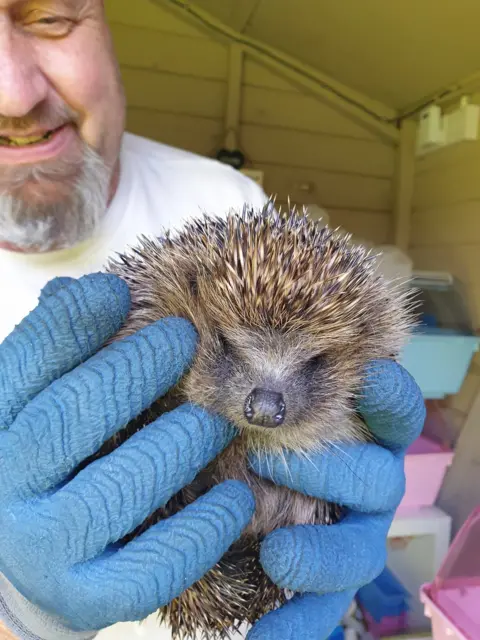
[73, 189]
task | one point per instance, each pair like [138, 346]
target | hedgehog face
[288, 315]
[281, 389]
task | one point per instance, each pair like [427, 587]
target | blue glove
[326, 565]
[60, 399]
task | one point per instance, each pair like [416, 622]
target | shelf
[426, 534]
[422, 521]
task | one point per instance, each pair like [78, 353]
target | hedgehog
[288, 314]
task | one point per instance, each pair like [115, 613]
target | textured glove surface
[326, 565]
[61, 397]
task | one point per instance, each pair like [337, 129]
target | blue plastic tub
[338, 634]
[385, 597]
[439, 359]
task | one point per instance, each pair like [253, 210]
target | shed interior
[326, 100]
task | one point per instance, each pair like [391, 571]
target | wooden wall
[176, 83]
[446, 236]
[446, 216]
[446, 233]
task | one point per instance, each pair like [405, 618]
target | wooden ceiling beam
[371, 114]
[242, 13]
[445, 95]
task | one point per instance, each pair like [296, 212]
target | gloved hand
[60, 398]
[326, 565]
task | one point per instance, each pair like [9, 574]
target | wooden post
[460, 492]
[403, 185]
[234, 96]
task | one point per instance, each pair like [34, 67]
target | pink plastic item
[426, 463]
[388, 626]
[452, 600]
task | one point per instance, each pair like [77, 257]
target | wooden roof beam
[371, 114]
[242, 13]
[445, 95]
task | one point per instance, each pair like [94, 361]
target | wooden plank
[371, 226]
[371, 113]
[175, 94]
[241, 13]
[144, 13]
[208, 60]
[200, 135]
[353, 108]
[256, 75]
[144, 48]
[313, 150]
[460, 154]
[268, 55]
[341, 191]
[460, 260]
[458, 223]
[141, 48]
[447, 186]
[273, 107]
[404, 185]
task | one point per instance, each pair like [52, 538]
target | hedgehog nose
[265, 408]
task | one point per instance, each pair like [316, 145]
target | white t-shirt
[159, 188]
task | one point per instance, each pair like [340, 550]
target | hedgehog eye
[193, 284]
[316, 362]
[224, 343]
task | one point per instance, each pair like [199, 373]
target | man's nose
[22, 83]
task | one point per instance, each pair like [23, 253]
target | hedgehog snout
[265, 408]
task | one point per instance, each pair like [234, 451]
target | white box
[430, 129]
[462, 124]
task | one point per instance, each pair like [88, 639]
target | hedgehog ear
[193, 284]
[366, 328]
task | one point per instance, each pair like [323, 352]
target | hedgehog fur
[279, 303]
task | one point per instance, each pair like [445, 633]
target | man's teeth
[23, 141]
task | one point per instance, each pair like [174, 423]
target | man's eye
[49, 20]
[49, 26]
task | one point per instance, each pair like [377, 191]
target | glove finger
[74, 416]
[64, 329]
[169, 557]
[113, 495]
[319, 558]
[363, 477]
[308, 616]
[54, 285]
[392, 405]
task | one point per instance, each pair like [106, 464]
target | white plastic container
[394, 264]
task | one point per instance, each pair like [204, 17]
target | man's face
[61, 121]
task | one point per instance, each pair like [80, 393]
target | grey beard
[59, 225]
